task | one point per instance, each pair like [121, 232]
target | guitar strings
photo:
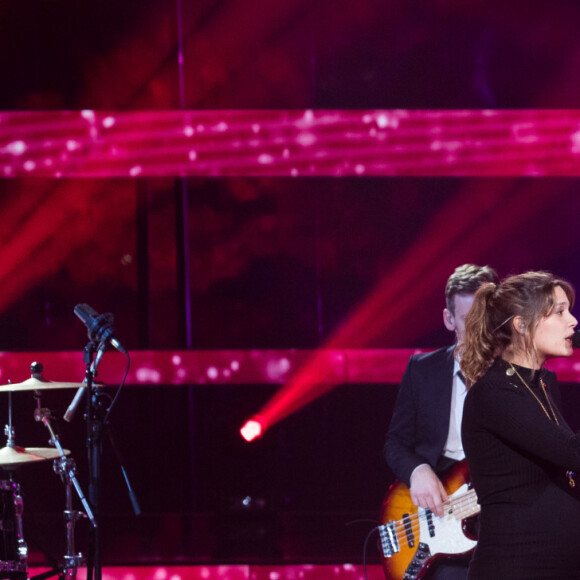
[458, 504]
[461, 504]
[461, 507]
[406, 532]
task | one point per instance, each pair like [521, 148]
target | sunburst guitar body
[412, 538]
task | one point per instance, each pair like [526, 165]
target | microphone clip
[101, 329]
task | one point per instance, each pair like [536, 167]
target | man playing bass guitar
[423, 440]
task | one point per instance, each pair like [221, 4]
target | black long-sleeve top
[518, 458]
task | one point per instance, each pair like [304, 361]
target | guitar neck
[463, 506]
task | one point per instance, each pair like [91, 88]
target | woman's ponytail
[479, 346]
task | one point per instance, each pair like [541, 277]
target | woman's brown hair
[488, 325]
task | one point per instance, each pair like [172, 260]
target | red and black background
[257, 190]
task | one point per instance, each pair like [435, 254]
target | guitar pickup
[389, 540]
[430, 524]
[409, 530]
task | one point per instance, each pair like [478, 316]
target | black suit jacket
[420, 423]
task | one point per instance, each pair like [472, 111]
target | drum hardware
[14, 562]
[35, 384]
[13, 456]
[14, 555]
[66, 468]
[101, 335]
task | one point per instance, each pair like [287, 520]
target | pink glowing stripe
[289, 143]
[240, 572]
[340, 366]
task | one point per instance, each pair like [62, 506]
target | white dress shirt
[453, 447]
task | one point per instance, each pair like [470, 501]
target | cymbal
[12, 456]
[34, 384]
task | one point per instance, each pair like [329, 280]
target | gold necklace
[543, 385]
[569, 474]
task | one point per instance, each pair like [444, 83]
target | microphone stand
[100, 331]
[94, 446]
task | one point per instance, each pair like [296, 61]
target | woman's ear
[519, 325]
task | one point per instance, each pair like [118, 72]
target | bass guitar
[413, 538]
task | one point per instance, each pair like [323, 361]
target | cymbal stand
[9, 429]
[66, 468]
[22, 546]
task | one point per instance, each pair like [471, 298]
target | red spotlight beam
[412, 279]
[60, 222]
[462, 223]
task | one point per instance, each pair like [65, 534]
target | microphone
[576, 339]
[70, 412]
[100, 328]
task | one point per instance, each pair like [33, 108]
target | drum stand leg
[16, 569]
[65, 467]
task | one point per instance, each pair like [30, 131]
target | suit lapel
[444, 385]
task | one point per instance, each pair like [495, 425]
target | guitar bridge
[389, 541]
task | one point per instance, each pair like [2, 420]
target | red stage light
[252, 429]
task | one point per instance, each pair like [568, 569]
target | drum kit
[13, 547]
